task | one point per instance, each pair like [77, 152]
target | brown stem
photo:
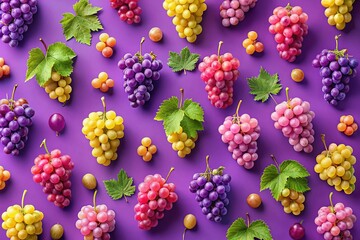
[43, 144]
[275, 161]
[218, 52]
[184, 234]
[248, 219]
[23, 198]
[168, 175]
[12, 99]
[104, 106]
[287, 94]
[324, 142]
[181, 97]
[43, 42]
[238, 108]
[331, 202]
[337, 42]
[94, 200]
[288, 7]
[141, 42]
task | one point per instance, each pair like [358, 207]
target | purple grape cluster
[336, 70]
[14, 126]
[233, 11]
[211, 193]
[139, 73]
[15, 17]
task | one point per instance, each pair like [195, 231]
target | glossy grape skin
[254, 200]
[189, 221]
[57, 122]
[297, 231]
[297, 75]
[155, 34]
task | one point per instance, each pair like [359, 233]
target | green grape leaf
[275, 179]
[172, 122]
[81, 25]
[297, 184]
[167, 108]
[264, 85]
[185, 61]
[122, 187]
[193, 110]
[58, 57]
[191, 126]
[256, 230]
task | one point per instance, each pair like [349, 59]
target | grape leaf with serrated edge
[121, 187]
[185, 61]
[240, 231]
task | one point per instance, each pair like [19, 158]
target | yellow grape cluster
[338, 12]
[292, 201]
[58, 87]
[104, 131]
[22, 223]
[336, 166]
[147, 149]
[181, 143]
[4, 176]
[187, 16]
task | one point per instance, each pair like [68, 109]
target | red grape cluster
[219, 73]
[129, 10]
[52, 171]
[233, 11]
[154, 197]
[288, 24]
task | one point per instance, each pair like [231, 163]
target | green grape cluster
[292, 201]
[104, 131]
[181, 143]
[22, 222]
[338, 12]
[187, 17]
[58, 87]
[336, 166]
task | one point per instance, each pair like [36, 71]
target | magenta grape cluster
[16, 16]
[241, 134]
[14, 126]
[129, 10]
[212, 193]
[154, 197]
[336, 223]
[336, 73]
[139, 74]
[96, 222]
[53, 171]
[288, 24]
[233, 11]
[294, 119]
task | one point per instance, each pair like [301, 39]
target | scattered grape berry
[155, 34]
[89, 181]
[56, 232]
[4, 69]
[254, 200]
[129, 11]
[338, 12]
[233, 12]
[147, 149]
[297, 231]
[189, 223]
[106, 44]
[347, 125]
[103, 82]
[251, 45]
[57, 123]
[297, 75]
[4, 176]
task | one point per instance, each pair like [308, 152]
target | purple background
[139, 122]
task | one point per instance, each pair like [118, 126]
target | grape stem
[337, 52]
[94, 200]
[23, 198]
[44, 44]
[272, 97]
[12, 99]
[207, 172]
[324, 142]
[104, 106]
[248, 219]
[218, 52]
[337, 42]
[183, 237]
[331, 202]
[276, 162]
[168, 175]
[236, 115]
[43, 144]
[288, 99]
[181, 97]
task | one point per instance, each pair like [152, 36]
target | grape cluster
[22, 222]
[129, 10]
[104, 131]
[347, 125]
[219, 72]
[96, 222]
[294, 118]
[292, 201]
[58, 87]
[233, 12]
[335, 222]
[154, 197]
[251, 44]
[103, 82]
[15, 120]
[147, 149]
[288, 24]
[4, 176]
[338, 12]
[4, 69]
[139, 73]
[211, 189]
[53, 171]
[15, 18]
[336, 70]
[181, 142]
[106, 44]
[336, 166]
[241, 134]
[187, 17]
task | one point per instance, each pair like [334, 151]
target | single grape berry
[56, 232]
[89, 181]
[189, 223]
[57, 123]
[297, 75]
[297, 231]
[254, 200]
[155, 34]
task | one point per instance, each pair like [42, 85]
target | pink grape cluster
[233, 11]
[293, 118]
[241, 134]
[219, 74]
[335, 224]
[154, 197]
[52, 171]
[129, 10]
[96, 223]
[288, 24]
